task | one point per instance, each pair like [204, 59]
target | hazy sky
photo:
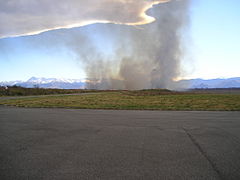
[213, 42]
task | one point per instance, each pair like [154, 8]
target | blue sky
[215, 35]
[213, 50]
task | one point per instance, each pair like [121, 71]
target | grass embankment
[21, 91]
[136, 100]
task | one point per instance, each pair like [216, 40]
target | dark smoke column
[143, 57]
[156, 48]
[172, 18]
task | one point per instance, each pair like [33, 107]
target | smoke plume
[127, 53]
[146, 56]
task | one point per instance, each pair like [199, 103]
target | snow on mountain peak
[63, 83]
[43, 80]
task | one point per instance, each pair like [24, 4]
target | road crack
[204, 154]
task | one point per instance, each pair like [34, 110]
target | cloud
[28, 17]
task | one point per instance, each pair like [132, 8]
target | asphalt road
[97, 144]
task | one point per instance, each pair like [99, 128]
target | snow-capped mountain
[10, 83]
[43, 80]
[210, 83]
[80, 83]
[48, 83]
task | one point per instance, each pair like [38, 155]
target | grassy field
[136, 100]
[21, 91]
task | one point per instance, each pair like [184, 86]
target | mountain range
[80, 83]
[210, 83]
[47, 83]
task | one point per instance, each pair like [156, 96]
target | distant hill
[80, 84]
[210, 83]
[48, 83]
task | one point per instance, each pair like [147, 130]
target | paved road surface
[95, 144]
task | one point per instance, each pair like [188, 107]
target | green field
[21, 91]
[135, 100]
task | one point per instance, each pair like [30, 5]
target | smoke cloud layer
[27, 17]
[114, 56]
